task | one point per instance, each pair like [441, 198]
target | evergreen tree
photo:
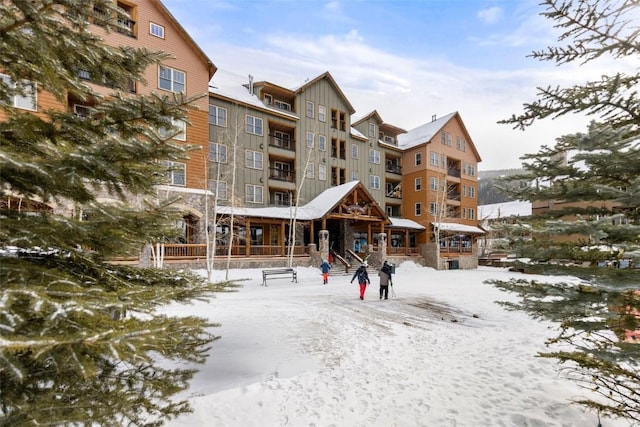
[596, 176]
[81, 340]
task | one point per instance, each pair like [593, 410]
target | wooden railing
[192, 251]
[403, 250]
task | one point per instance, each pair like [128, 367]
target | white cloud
[491, 15]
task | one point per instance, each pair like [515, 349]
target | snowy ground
[441, 353]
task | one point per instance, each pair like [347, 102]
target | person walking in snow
[325, 267]
[363, 278]
[385, 280]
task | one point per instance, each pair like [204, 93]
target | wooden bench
[279, 272]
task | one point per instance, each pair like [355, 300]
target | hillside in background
[487, 192]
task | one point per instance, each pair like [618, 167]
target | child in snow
[363, 278]
[385, 280]
[325, 267]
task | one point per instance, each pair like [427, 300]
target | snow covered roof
[315, 209]
[229, 85]
[504, 210]
[355, 132]
[454, 226]
[405, 223]
[423, 133]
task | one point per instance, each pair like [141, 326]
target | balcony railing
[403, 250]
[453, 172]
[284, 143]
[176, 251]
[397, 169]
[282, 174]
[453, 196]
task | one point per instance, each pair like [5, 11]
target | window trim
[251, 129]
[217, 152]
[418, 183]
[322, 113]
[154, 25]
[172, 173]
[217, 190]
[253, 200]
[172, 80]
[418, 159]
[251, 162]
[217, 120]
[17, 97]
[310, 109]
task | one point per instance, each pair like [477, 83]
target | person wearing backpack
[363, 278]
[385, 280]
[325, 267]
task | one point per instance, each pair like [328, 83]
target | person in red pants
[363, 278]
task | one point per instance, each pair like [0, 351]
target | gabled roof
[373, 114]
[231, 86]
[376, 116]
[162, 8]
[327, 76]
[425, 133]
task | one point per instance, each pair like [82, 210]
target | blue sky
[407, 59]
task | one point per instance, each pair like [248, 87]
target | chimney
[250, 84]
[433, 118]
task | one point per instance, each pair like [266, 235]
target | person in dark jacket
[325, 267]
[363, 278]
[385, 280]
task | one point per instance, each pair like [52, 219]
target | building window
[471, 213]
[177, 173]
[435, 159]
[322, 143]
[464, 213]
[354, 176]
[433, 184]
[372, 129]
[449, 140]
[322, 172]
[433, 208]
[472, 170]
[218, 188]
[418, 159]
[254, 125]
[322, 113]
[472, 192]
[171, 80]
[418, 184]
[217, 116]
[178, 130]
[310, 170]
[156, 30]
[281, 199]
[27, 100]
[254, 159]
[217, 152]
[253, 193]
[374, 182]
[354, 151]
[374, 156]
[310, 109]
[461, 144]
[418, 209]
[309, 139]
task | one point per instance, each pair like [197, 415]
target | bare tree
[292, 228]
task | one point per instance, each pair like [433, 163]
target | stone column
[323, 244]
[382, 246]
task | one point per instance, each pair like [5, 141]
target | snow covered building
[356, 187]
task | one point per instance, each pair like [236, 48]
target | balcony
[282, 174]
[284, 143]
[454, 172]
[393, 168]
